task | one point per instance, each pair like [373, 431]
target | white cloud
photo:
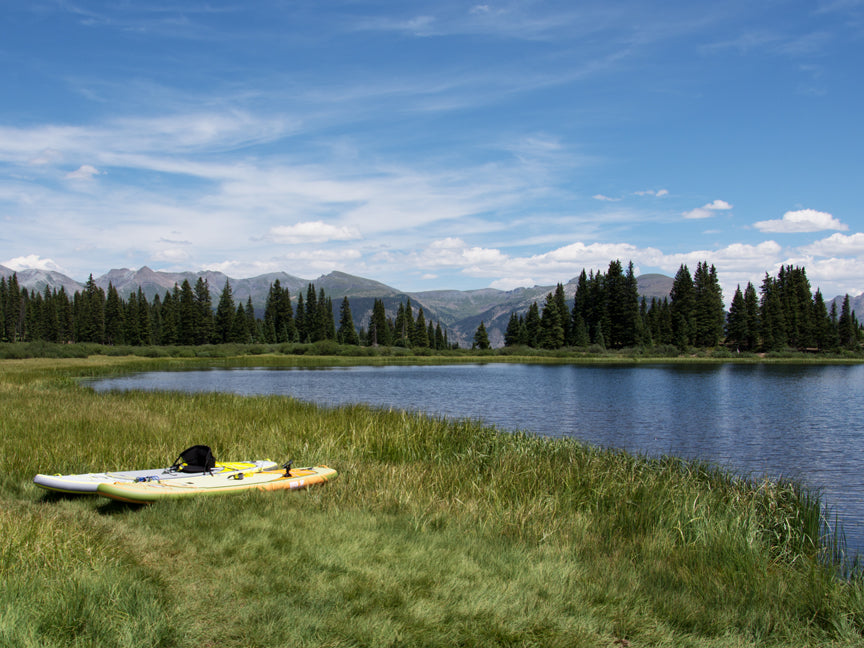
[449, 243]
[454, 253]
[803, 220]
[657, 194]
[511, 283]
[171, 255]
[84, 172]
[707, 211]
[31, 262]
[312, 232]
[245, 269]
[836, 245]
[605, 198]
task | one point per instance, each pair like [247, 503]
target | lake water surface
[803, 422]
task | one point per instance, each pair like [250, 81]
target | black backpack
[197, 459]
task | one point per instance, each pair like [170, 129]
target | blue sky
[433, 145]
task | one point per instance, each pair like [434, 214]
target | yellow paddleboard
[264, 480]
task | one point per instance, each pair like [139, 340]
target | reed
[437, 533]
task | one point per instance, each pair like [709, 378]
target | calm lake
[803, 422]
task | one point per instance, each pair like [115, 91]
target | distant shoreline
[329, 352]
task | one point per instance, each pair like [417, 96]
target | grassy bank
[330, 351]
[435, 534]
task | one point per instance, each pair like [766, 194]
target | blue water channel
[797, 421]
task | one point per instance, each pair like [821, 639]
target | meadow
[436, 533]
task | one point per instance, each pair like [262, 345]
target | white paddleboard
[89, 482]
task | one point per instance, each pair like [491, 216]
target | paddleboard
[88, 482]
[264, 480]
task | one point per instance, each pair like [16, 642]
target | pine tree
[754, 321]
[145, 326]
[346, 334]
[772, 322]
[90, 313]
[580, 332]
[643, 331]
[708, 312]
[631, 329]
[130, 321]
[187, 314]
[821, 323]
[481, 338]
[3, 293]
[532, 326]
[271, 312]
[579, 312]
[563, 314]
[28, 312]
[511, 334]
[287, 330]
[551, 327]
[312, 318]
[252, 323]
[239, 333]
[51, 329]
[203, 313]
[800, 300]
[328, 323]
[225, 313]
[169, 314]
[156, 320]
[847, 327]
[13, 322]
[404, 324]
[300, 318]
[682, 306]
[737, 332]
[114, 323]
[379, 333]
[419, 335]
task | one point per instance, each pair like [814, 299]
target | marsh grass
[436, 533]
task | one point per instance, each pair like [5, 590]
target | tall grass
[436, 533]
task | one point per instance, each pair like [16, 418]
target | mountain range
[458, 311]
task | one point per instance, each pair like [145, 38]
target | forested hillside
[606, 310]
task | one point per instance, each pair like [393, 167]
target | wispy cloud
[707, 211]
[84, 172]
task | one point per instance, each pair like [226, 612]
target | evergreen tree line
[608, 312]
[186, 316]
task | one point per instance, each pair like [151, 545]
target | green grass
[436, 533]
